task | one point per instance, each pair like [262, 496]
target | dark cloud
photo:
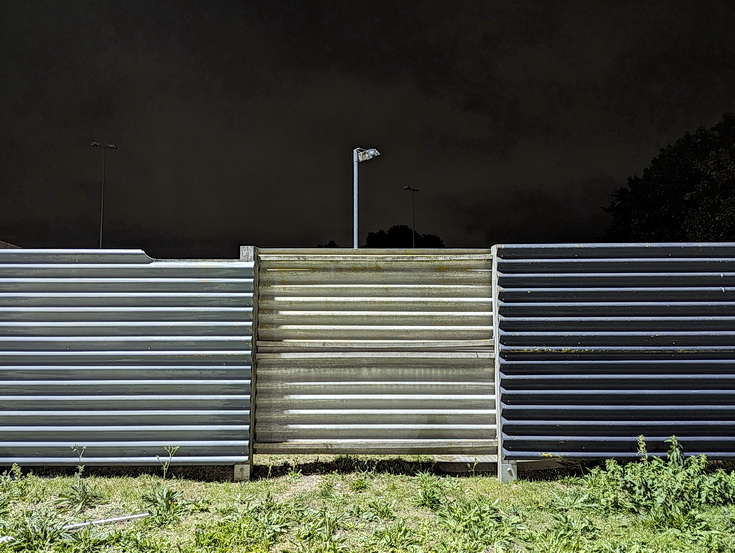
[235, 120]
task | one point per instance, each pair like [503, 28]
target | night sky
[235, 120]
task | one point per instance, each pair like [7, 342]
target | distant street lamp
[413, 206]
[102, 198]
[358, 155]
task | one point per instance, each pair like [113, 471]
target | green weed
[570, 532]
[13, 485]
[166, 464]
[394, 537]
[259, 524]
[35, 530]
[327, 489]
[164, 505]
[481, 521]
[433, 490]
[319, 532]
[293, 475]
[81, 495]
[381, 509]
[668, 493]
[359, 484]
[85, 540]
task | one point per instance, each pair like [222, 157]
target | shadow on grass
[265, 466]
[342, 464]
[203, 473]
[274, 466]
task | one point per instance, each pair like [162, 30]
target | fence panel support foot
[508, 471]
[242, 473]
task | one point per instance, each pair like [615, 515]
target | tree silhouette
[687, 193]
[399, 236]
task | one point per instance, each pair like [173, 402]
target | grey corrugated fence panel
[375, 351]
[601, 343]
[124, 355]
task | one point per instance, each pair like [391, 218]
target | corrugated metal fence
[375, 351]
[600, 343]
[124, 355]
[371, 351]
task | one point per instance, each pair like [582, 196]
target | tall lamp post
[413, 208]
[102, 198]
[358, 155]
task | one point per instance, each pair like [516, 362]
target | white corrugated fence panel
[375, 351]
[124, 355]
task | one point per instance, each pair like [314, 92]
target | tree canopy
[330, 244]
[399, 236]
[687, 193]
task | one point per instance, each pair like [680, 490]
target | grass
[347, 504]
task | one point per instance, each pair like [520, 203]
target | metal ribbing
[124, 355]
[601, 343]
[375, 351]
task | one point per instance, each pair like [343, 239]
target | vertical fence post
[243, 471]
[507, 470]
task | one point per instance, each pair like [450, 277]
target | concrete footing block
[508, 471]
[242, 473]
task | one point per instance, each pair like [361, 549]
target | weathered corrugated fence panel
[601, 343]
[375, 351]
[124, 355]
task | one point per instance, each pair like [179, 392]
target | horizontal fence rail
[375, 351]
[123, 355]
[601, 343]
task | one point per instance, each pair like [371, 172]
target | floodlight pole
[358, 155]
[102, 195]
[355, 231]
[413, 209]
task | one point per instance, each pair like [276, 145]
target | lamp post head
[411, 189]
[108, 147]
[365, 155]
